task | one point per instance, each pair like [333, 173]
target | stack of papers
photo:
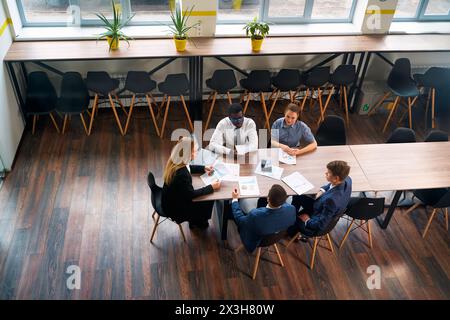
[286, 158]
[275, 173]
[242, 149]
[248, 186]
[223, 172]
[298, 183]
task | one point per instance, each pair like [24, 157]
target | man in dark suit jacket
[329, 201]
[275, 217]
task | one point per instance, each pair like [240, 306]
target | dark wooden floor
[77, 200]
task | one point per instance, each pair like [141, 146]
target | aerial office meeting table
[374, 167]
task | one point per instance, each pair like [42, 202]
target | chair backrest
[344, 74]
[402, 135]
[287, 79]
[41, 94]
[444, 202]
[271, 239]
[436, 136]
[318, 77]
[156, 196]
[331, 132]
[259, 80]
[176, 84]
[365, 208]
[224, 80]
[435, 77]
[400, 73]
[74, 92]
[332, 224]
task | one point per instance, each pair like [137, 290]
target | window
[422, 10]
[286, 11]
[82, 12]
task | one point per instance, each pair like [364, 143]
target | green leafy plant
[180, 26]
[257, 30]
[114, 27]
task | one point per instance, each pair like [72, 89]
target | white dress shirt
[226, 135]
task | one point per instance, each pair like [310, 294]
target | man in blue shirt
[275, 217]
[329, 201]
[289, 132]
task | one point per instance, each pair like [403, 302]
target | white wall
[11, 124]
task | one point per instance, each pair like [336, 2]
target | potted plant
[180, 27]
[257, 31]
[113, 28]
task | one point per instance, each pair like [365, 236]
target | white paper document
[232, 171]
[275, 173]
[242, 149]
[248, 186]
[209, 179]
[286, 158]
[298, 183]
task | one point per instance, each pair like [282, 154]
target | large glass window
[45, 11]
[238, 10]
[422, 10]
[151, 10]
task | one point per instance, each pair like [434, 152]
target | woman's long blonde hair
[179, 158]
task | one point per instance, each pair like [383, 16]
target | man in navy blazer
[275, 217]
[329, 201]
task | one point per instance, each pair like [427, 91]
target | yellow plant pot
[114, 45]
[180, 44]
[256, 44]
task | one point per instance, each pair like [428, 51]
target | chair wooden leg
[152, 114]
[165, 117]
[330, 242]
[84, 124]
[121, 104]
[239, 248]
[433, 98]
[379, 103]
[154, 228]
[391, 113]
[210, 111]
[313, 254]
[263, 105]
[346, 105]
[94, 108]
[412, 208]
[255, 268]
[247, 101]
[427, 106]
[209, 97]
[272, 94]
[274, 102]
[341, 90]
[33, 130]
[319, 97]
[410, 113]
[54, 122]
[182, 232]
[161, 106]
[279, 255]
[293, 239]
[346, 234]
[64, 123]
[327, 102]
[230, 101]
[119, 125]
[153, 215]
[429, 223]
[187, 114]
[133, 99]
[369, 232]
[304, 100]
[446, 219]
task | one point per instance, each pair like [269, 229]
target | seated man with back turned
[275, 217]
[234, 130]
[329, 201]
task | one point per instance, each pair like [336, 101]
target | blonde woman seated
[178, 192]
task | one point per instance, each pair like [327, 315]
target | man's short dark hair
[339, 169]
[234, 108]
[277, 195]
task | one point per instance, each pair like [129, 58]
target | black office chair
[174, 85]
[104, 87]
[322, 236]
[258, 82]
[156, 198]
[402, 135]
[364, 210]
[402, 86]
[435, 198]
[41, 98]
[140, 84]
[331, 132]
[436, 136]
[266, 242]
[221, 83]
[287, 80]
[315, 81]
[74, 98]
[343, 77]
[432, 79]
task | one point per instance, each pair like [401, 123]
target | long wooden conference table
[365, 46]
[374, 167]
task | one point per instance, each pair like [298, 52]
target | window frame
[420, 15]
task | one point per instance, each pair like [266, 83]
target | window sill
[419, 27]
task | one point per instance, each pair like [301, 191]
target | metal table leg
[383, 224]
